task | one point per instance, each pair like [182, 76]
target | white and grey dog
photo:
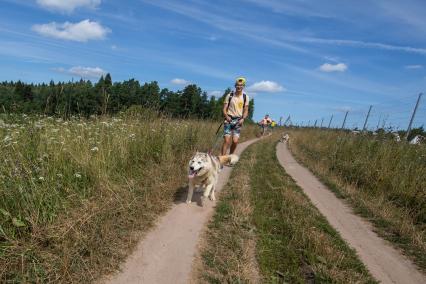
[285, 138]
[203, 171]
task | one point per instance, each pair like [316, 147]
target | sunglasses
[240, 86]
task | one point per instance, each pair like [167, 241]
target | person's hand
[228, 118]
[241, 121]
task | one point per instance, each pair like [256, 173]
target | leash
[217, 131]
[215, 139]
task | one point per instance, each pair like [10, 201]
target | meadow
[266, 230]
[76, 195]
[384, 181]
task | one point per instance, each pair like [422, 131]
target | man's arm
[245, 114]
[224, 111]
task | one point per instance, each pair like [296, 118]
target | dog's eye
[199, 163]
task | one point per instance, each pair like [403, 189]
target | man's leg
[234, 144]
[235, 136]
[226, 143]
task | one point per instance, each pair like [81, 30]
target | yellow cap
[241, 80]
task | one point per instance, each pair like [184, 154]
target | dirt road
[166, 254]
[384, 262]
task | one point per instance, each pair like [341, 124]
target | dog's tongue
[191, 174]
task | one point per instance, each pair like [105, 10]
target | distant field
[384, 181]
[75, 195]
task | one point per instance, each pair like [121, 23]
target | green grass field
[383, 180]
[75, 196]
[266, 230]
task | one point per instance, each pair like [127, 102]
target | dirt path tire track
[383, 261]
[167, 252]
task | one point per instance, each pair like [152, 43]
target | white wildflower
[77, 175]
[94, 149]
[41, 178]
[7, 138]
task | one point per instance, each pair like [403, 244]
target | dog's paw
[188, 202]
[212, 198]
[203, 201]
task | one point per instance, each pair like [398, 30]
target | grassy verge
[383, 180]
[76, 195]
[293, 241]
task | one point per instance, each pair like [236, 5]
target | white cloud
[362, 44]
[83, 72]
[178, 81]
[339, 67]
[266, 87]
[82, 31]
[342, 109]
[215, 93]
[413, 66]
[67, 5]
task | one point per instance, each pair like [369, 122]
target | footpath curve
[383, 261]
[166, 253]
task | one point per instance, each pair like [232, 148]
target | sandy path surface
[384, 262]
[166, 254]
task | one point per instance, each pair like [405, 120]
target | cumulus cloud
[81, 31]
[178, 81]
[67, 5]
[413, 66]
[266, 87]
[215, 93]
[83, 72]
[339, 67]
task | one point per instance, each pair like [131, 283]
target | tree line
[85, 98]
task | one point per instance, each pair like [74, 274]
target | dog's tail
[231, 159]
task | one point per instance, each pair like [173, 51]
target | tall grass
[265, 230]
[75, 195]
[383, 179]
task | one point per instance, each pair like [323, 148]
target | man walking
[235, 111]
[264, 123]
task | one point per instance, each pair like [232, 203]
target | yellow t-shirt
[235, 108]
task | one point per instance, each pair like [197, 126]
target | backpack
[231, 95]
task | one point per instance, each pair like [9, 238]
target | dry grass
[385, 181]
[229, 242]
[293, 241]
[75, 196]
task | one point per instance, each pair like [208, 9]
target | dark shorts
[232, 128]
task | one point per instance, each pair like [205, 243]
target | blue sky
[309, 59]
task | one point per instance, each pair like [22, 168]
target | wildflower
[41, 178]
[77, 175]
[7, 138]
[59, 175]
[132, 136]
[94, 149]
